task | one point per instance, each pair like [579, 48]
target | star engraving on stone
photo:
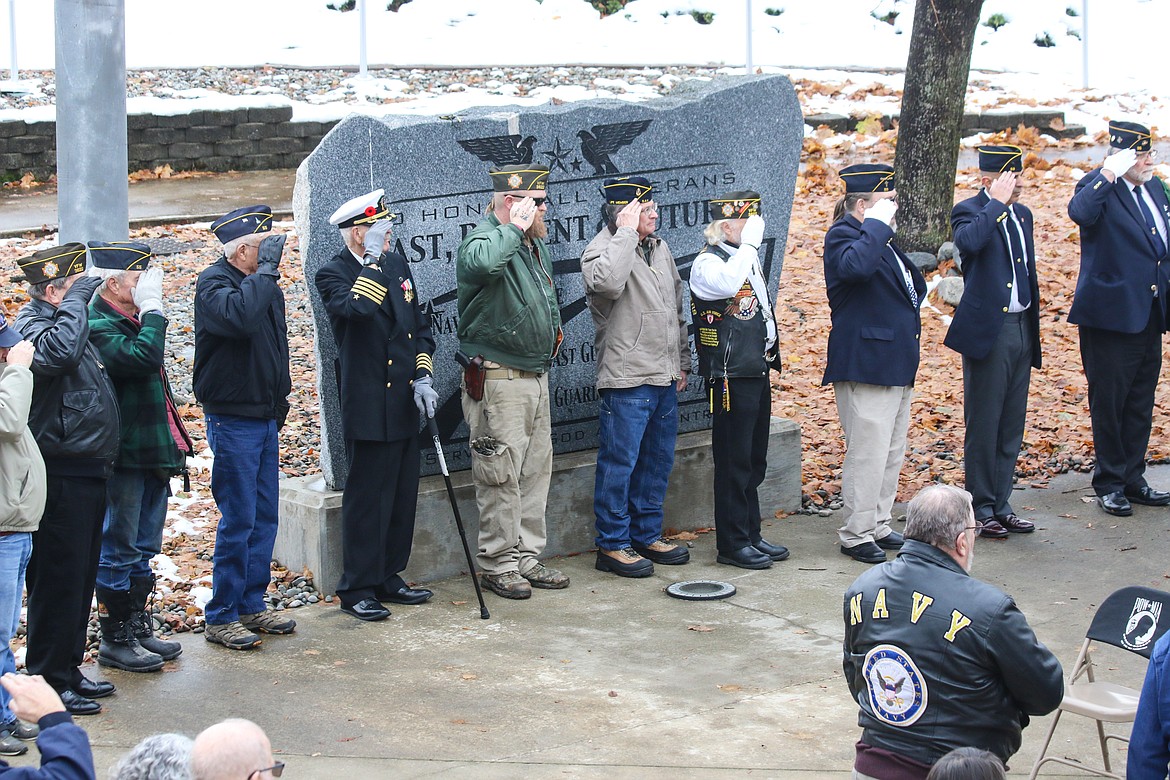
[557, 155]
[576, 163]
[429, 310]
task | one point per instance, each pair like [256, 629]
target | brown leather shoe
[993, 530]
[508, 584]
[1014, 524]
[541, 576]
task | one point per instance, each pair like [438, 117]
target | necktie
[907, 277]
[1149, 217]
[1019, 267]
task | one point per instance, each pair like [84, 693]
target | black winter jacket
[241, 344]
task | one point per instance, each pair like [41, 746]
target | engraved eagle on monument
[501, 149]
[600, 141]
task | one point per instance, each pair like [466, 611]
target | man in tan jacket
[643, 359]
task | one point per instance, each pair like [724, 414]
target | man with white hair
[128, 325]
[936, 659]
[234, 749]
[242, 379]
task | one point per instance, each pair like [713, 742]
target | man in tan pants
[510, 323]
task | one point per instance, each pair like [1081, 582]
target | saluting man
[997, 330]
[384, 348]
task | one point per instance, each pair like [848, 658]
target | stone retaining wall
[243, 139]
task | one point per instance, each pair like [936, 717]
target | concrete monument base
[310, 514]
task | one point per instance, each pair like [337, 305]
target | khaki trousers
[875, 419]
[511, 484]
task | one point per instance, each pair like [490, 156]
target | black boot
[119, 648]
[143, 628]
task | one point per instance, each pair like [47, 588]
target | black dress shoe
[745, 558]
[1014, 524]
[92, 689]
[367, 609]
[891, 541]
[866, 552]
[776, 552]
[1116, 504]
[405, 595]
[75, 704]
[992, 529]
[1147, 496]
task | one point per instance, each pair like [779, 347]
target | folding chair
[1131, 618]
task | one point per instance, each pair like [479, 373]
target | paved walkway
[613, 679]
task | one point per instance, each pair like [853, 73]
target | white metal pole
[1085, 43]
[362, 38]
[14, 73]
[749, 37]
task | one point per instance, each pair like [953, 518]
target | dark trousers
[995, 405]
[739, 446]
[377, 517]
[1122, 369]
[61, 575]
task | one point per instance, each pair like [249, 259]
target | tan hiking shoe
[269, 622]
[231, 635]
[542, 576]
[508, 584]
[624, 563]
[664, 552]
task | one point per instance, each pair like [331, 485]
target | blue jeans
[637, 431]
[15, 550]
[133, 526]
[244, 484]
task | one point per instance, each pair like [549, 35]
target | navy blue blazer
[876, 327]
[1121, 264]
[977, 224]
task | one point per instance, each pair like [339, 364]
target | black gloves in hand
[84, 287]
[270, 252]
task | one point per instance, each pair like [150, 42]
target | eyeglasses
[276, 769]
[538, 202]
[1150, 155]
[976, 528]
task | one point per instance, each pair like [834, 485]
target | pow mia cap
[362, 210]
[55, 263]
[997, 159]
[868, 178]
[1130, 135]
[119, 255]
[9, 337]
[735, 205]
[242, 222]
[519, 178]
[624, 190]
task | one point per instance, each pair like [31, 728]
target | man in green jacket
[128, 326]
[509, 318]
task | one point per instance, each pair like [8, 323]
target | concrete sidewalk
[611, 678]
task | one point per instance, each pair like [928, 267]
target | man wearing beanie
[874, 293]
[996, 329]
[1120, 309]
[643, 358]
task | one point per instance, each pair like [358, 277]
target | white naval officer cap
[362, 210]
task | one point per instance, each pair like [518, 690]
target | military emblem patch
[1142, 625]
[728, 209]
[897, 690]
[514, 181]
[407, 290]
[746, 304]
[51, 270]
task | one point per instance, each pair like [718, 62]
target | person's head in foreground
[968, 763]
[158, 757]
[941, 516]
[234, 749]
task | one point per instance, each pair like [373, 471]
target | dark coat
[987, 275]
[241, 344]
[383, 341]
[1121, 266]
[65, 752]
[876, 327]
[133, 354]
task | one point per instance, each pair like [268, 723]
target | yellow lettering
[921, 602]
[879, 605]
[959, 621]
[855, 610]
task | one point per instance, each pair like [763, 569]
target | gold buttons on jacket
[1153, 288]
[1009, 285]
[1005, 309]
[389, 362]
[388, 384]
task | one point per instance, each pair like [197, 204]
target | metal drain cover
[701, 590]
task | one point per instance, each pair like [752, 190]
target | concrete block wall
[243, 139]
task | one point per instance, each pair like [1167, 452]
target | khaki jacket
[637, 309]
[22, 471]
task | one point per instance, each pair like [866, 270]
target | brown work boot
[541, 576]
[508, 584]
[664, 552]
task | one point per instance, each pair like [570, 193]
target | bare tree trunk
[931, 120]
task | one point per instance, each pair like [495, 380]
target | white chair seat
[1101, 701]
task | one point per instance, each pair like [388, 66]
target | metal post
[1085, 43]
[92, 188]
[361, 4]
[749, 38]
[14, 73]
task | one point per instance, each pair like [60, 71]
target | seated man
[64, 746]
[936, 659]
[234, 749]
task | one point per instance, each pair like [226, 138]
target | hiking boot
[231, 635]
[624, 563]
[664, 552]
[119, 647]
[142, 624]
[508, 584]
[269, 622]
[541, 576]
[10, 745]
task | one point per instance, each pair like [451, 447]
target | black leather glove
[270, 252]
[84, 287]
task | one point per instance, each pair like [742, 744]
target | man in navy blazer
[997, 331]
[1120, 308]
[874, 293]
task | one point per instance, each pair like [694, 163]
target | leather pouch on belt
[473, 376]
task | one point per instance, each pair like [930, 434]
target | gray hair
[968, 763]
[106, 274]
[610, 212]
[38, 291]
[229, 249]
[938, 514]
[714, 232]
[158, 757]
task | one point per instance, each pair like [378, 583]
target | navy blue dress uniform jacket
[978, 225]
[383, 341]
[876, 327]
[1122, 265]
